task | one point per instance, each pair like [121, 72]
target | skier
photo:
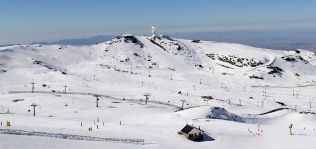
[290, 128]
[8, 123]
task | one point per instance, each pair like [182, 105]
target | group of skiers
[96, 124]
[8, 124]
[259, 131]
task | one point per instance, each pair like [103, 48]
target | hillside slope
[164, 53]
[232, 91]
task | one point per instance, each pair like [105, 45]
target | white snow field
[242, 97]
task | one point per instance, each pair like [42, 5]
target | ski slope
[224, 89]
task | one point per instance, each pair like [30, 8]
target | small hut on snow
[192, 133]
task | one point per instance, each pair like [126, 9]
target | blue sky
[24, 21]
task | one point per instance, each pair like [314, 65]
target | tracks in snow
[72, 137]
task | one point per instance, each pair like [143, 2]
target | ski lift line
[94, 94]
[142, 74]
[286, 94]
[151, 101]
[300, 95]
[291, 95]
[299, 86]
[167, 77]
[306, 102]
[301, 102]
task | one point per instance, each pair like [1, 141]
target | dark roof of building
[188, 128]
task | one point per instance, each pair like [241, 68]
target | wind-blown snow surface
[243, 80]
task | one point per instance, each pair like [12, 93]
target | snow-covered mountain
[228, 89]
[128, 52]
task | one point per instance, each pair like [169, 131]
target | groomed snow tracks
[71, 137]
